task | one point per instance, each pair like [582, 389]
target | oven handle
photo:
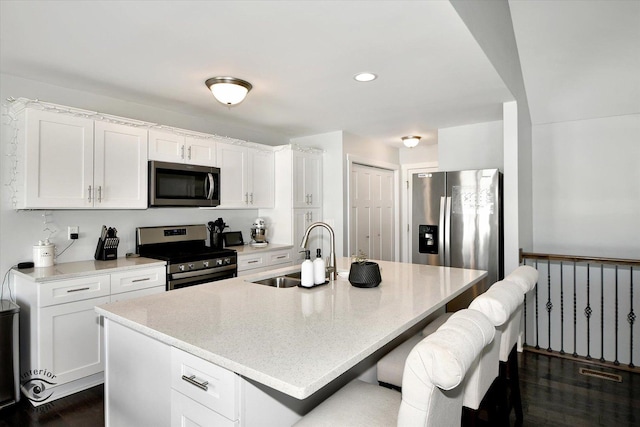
[205, 272]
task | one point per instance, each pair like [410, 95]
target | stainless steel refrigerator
[457, 221]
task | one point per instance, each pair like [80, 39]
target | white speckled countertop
[69, 270]
[294, 340]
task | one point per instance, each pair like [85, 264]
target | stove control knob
[219, 262]
[227, 261]
[181, 267]
[191, 266]
[205, 263]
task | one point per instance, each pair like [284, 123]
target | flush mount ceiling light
[365, 77]
[410, 141]
[228, 90]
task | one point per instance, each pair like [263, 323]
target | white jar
[306, 275]
[43, 254]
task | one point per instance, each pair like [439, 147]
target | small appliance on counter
[259, 234]
[215, 233]
[107, 248]
[43, 254]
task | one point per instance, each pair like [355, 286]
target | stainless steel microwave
[177, 184]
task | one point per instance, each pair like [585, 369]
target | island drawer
[210, 385]
[63, 291]
[131, 280]
[247, 262]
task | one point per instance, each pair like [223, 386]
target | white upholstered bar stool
[432, 392]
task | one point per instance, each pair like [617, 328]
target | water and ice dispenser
[428, 239]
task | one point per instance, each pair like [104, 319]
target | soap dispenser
[307, 271]
[319, 269]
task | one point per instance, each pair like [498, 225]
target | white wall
[586, 187]
[19, 230]
[423, 153]
[475, 146]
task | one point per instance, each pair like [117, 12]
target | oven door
[198, 277]
[176, 184]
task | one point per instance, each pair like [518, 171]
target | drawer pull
[141, 280]
[281, 256]
[77, 290]
[252, 262]
[192, 380]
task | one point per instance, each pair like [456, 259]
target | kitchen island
[269, 354]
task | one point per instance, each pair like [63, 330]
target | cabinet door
[71, 340]
[200, 151]
[232, 161]
[120, 175]
[307, 180]
[261, 178]
[166, 146]
[302, 218]
[187, 412]
[59, 160]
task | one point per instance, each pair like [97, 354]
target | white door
[261, 178]
[59, 160]
[232, 161]
[120, 167]
[372, 212]
[200, 151]
[71, 339]
[166, 146]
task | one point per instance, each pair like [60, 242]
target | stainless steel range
[189, 260]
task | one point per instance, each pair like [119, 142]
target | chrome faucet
[331, 267]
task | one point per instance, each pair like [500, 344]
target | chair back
[525, 277]
[513, 298]
[432, 388]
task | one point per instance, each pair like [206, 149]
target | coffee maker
[259, 233]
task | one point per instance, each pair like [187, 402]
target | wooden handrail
[572, 258]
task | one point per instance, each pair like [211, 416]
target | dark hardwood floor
[554, 393]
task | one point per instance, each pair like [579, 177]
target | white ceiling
[300, 57]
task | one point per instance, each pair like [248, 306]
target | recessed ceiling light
[365, 77]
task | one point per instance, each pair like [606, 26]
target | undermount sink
[280, 281]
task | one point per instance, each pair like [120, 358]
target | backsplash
[30, 226]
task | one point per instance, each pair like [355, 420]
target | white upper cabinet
[307, 180]
[246, 176]
[172, 147]
[73, 162]
[120, 167]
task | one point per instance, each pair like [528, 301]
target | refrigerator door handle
[441, 225]
[447, 233]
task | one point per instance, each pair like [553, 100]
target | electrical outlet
[73, 232]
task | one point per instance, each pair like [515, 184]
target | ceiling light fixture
[410, 141]
[228, 90]
[365, 77]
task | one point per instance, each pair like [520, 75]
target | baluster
[575, 314]
[549, 305]
[602, 312]
[537, 321]
[588, 312]
[631, 318]
[616, 361]
[561, 308]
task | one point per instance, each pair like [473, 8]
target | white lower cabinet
[262, 261]
[62, 334]
[187, 412]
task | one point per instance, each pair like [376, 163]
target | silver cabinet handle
[77, 290]
[89, 194]
[182, 152]
[246, 198]
[100, 194]
[310, 199]
[189, 157]
[192, 380]
[281, 256]
[252, 261]
[141, 280]
[251, 198]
